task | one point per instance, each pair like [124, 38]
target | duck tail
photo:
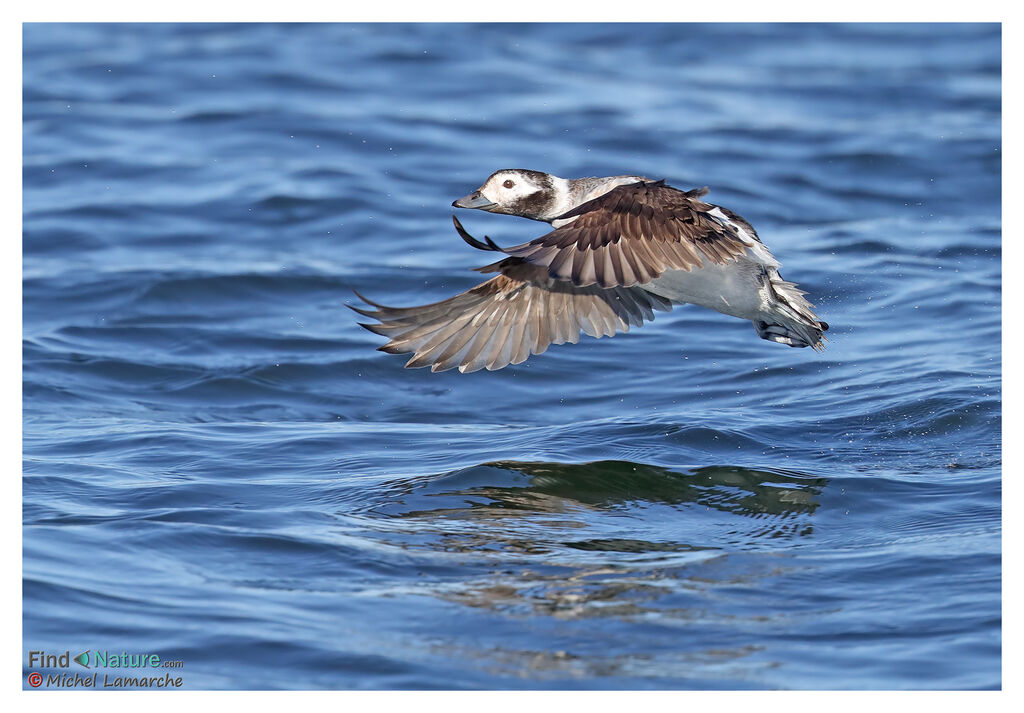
[791, 319]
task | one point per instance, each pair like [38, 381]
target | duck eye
[509, 183]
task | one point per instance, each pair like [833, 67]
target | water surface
[221, 469]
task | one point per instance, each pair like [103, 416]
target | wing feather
[504, 320]
[639, 231]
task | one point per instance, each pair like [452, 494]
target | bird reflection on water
[613, 540]
[501, 489]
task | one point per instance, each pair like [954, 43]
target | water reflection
[514, 489]
[609, 539]
[688, 554]
[707, 668]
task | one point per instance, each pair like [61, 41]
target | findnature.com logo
[101, 659]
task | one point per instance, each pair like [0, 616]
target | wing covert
[631, 235]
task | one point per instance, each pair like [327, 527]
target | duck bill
[474, 200]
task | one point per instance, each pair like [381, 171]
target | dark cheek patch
[533, 205]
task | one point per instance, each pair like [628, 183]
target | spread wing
[632, 234]
[505, 319]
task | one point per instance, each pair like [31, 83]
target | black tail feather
[490, 245]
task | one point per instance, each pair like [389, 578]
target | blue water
[221, 469]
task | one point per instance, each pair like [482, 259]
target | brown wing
[631, 235]
[505, 319]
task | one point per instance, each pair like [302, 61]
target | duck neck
[582, 190]
[561, 199]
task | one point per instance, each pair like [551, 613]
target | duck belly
[736, 288]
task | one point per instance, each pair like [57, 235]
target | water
[220, 468]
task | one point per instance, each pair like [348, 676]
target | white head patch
[509, 187]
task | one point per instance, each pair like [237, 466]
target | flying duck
[621, 247]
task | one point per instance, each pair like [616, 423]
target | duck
[620, 248]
